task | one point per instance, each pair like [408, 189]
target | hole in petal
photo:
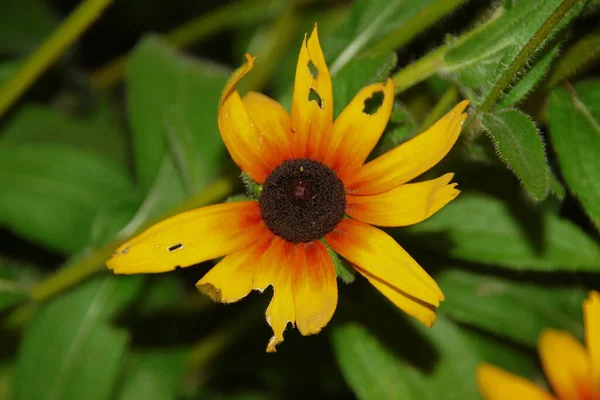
[313, 70]
[314, 96]
[373, 103]
[174, 247]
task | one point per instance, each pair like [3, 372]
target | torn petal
[312, 102]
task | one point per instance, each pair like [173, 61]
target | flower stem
[416, 25]
[93, 262]
[524, 55]
[197, 29]
[430, 63]
[420, 70]
[61, 39]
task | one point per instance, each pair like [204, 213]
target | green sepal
[342, 269]
[239, 197]
[253, 189]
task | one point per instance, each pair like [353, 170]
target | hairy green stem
[60, 40]
[524, 55]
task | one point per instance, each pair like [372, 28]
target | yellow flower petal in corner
[410, 159]
[314, 287]
[190, 238]
[496, 384]
[405, 205]
[591, 317]
[565, 363]
[358, 128]
[377, 253]
[312, 102]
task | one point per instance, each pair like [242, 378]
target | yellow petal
[410, 159]
[405, 205]
[314, 286]
[312, 102]
[591, 317]
[275, 269]
[274, 124]
[241, 136]
[421, 311]
[375, 252]
[496, 384]
[190, 238]
[232, 278]
[355, 132]
[566, 364]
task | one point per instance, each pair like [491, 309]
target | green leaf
[51, 193]
[512, 358]
[483, 300]
[172, 102]
[97, 131]
[24, 24]
[574, 117]
[358, 73]
[486, 230]
[70, 350]
[520, 146]
[481, 60]
[371, 370]
[453, 375]
[529, 81]
[153, 374]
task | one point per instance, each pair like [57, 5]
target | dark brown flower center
[302, 200]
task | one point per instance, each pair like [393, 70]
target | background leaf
[172, 104]
[70, 350]
[482, 301]
[520, 146]
[153, 374]
[24, 24]
[487, 230]
[370, 369]
[574, 117]
[52, 194]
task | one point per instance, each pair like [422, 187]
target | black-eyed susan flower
[317, 192]
[572, 370]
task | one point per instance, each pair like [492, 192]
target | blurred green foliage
[95, 151]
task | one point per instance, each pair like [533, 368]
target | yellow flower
[572, 370]
[316, 190]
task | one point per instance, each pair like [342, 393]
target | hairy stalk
[430, 63]
[524, 55]
[60, 40]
